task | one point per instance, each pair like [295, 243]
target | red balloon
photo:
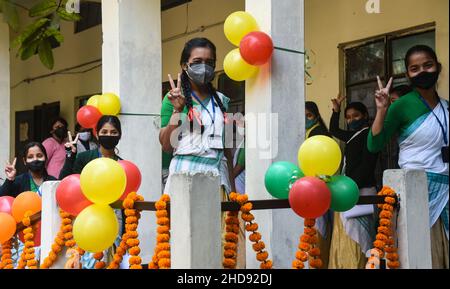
[36, 232]
[256, 48]
[310, 197]
[6, 204]
[88, 116]
[69, 196]
[134, 177]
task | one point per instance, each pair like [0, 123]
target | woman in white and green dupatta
[421, 118]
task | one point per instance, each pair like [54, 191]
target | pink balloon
[310, 197]
[6, 204]
[134, 177]
[69, 196]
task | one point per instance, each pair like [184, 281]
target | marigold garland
[28, 257]
[130, 238]
[6, 260]
[231, 240]
[308, 249]
[384, 245]
[161, 256]
[251, 227]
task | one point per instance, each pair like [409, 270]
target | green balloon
[344, 193]
[280, 177]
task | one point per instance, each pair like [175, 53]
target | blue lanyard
[444, 130]
[213, 117]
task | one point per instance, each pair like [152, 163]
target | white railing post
[413, 227]
[195, 221]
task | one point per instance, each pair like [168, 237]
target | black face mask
[36, 166]
[61, 132]
[109, 142]
[425, 80]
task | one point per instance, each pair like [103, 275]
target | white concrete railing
[196, 220]
[413, 226]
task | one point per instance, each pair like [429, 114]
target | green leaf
[28, 51]
[30, 32]
[10, 15]
[62, 12]
[46, 53]
[43, 8]
[52, 32]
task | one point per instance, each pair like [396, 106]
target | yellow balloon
[93, 100]
[96, 228]
[239, 24]
[319, 155]
[103, 181]
[109, 104]
[236, 68]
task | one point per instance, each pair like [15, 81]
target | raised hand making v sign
[176, 96]
[10, 170]
[382, 102]
[71, 145]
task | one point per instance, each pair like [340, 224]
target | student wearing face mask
[86, 141]
[354, 231]
[55, 146]
[421, 120]
[314, 123]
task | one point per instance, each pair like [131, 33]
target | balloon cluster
[88, 196]
[98, 105]
[311, 188]
[12, 211]
[255, 47]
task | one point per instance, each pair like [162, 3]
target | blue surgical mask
[309, 123]
[357, 124]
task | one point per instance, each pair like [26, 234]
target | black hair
[418, 49]
[111, 119]
[312, 107]
[401, 90]
[185, 82]
[56, 119]
[359, 106]
[41, 147]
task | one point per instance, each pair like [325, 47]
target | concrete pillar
[413, 226]
[195, 220]
[5, 106]
[50, 224]
[278, 90]
[132, 69]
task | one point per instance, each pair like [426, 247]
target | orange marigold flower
[165, 198]
[259, 246]
[310, 222]
[100, 265]
[164, 255]
[135, 260]
[255, 237]
[70, 243]
[379, 244]
[66, 221]
[65, 215]
[117, 259]
[59, 241]
[392, 256]
[266, 265]
[262, 256]
[152, 266]
[314, 239]
[135, 267]
[385, 214]
[233, 196]
[231, 237]
[131, 227]
[310, 231]
[26, 222]
[388, 207]
[162, 238]
[384, 230]
[305, 238]
[162, 230]
[29, 244]
[230, 246]
[31, 263]
[246, 208]
[128, 203]
[98, 255]
[393, 264]
[297, 264]
[164, 263]
[131, 220]
[381, 237]
[251, 227]
[304, 246]
[302, 256]
[68, 236]
[160, 205]
[390, 249]
[229, 254]
[163, 221]
[247, 217]
[130, 212]
[229, 263]
[52, 256]
[314, 252]
[385, 222]
[134, 251]
[27, 231]
[132, 242]
[242, 199]
[163, 246]
[389, 242]
[231, 220]
[315, 263]
[56, 248]
[161, 214]
[132, 235]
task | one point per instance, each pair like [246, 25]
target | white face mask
[84, 136]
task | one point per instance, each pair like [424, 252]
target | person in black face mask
[421, 119]
[55, 146]
[108, 133]
[34, 159]
[359, 165]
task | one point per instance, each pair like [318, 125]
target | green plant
[38, 36]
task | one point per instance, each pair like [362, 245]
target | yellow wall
[86, 46]
[329, 23]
